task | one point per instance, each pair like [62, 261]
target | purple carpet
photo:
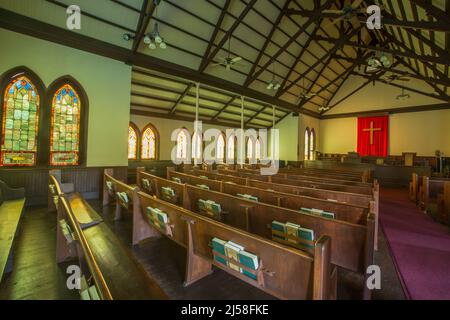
[420, 247]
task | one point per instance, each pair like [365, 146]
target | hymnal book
[109, 186]
[93, 293]
[293, 230]
[278, 226]
[316, 211]
[152, 213]
[146, 184]
[333, 200]
[219, 246]
[203, 177]
[306, 234]
[177, 180]
[123, 198]
[202, 204]
[328, 215]
[162, 218]
[84, 289]
[249, 260]
[232, 251]
[307, 210]
[203, 186]
[247, 196]
[167, 192]
[66, 230]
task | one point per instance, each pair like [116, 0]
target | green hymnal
[249, 260]
[307, 210]
[232, 251]
[123, 198]
[167, 192]
[247, 196]
[93, 293]
[280, 227]
[219, 246]
[146, 184]
[203, 177]
[203, 186]
[109, 185]
[328, 215]
[66, 230]
[177, 180]
[306, 234]
[293, 230]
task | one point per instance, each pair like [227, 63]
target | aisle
[420, 246]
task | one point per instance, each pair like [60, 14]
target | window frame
[312, 146]
[141, 141]
[307, 134]
[138, 142]
[54, 87]
[225, 150]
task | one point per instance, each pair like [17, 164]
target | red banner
[373, 135]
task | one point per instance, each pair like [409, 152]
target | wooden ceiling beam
[325, 6]
[440, 26]
[432, 10]
[266, 43]
[181, 97]
[337, 45]
[216, 30]
[148, 8]
[407, 54]
[226, 105]
[227, 35]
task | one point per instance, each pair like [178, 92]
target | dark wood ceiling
[288, 40]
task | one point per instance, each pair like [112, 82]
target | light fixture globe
[147, 39]
[152, 45]
[158, 39]
[163, 45]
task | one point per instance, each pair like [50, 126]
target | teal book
[202, 204]
[203, 186]
[219, 246]
[249, 260]
[306, 234]
[162, 218]
[307, 210]
[329, 215]
[216, 210]
[168, 192]
[177, 180]
[278, 226]
[93, 293]
[316, 211]
[253, 198]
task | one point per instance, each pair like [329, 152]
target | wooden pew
[353, 244]
[370, 201]
[101, 256]
[283, 272]
[435, 197]
[12, 204]
[346, 212]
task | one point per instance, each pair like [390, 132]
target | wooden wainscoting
[88, 181]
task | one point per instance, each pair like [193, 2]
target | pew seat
[12, 204]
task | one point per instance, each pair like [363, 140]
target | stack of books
[237, 253]
[66, 230]
[167, 193]
[157, 217]
[318, 212]
[146, 184]
[210, 207]
[177, 180]
[203, 186]
[123, 199]
[292, 229]
[88, 292]
[248, 197]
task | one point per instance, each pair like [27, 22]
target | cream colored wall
[106, 82]
[288, 134]
[421, 132]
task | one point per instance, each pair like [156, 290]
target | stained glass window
[148, 144]
[182, 145]
[132, 143]
[20, 123]
[307, 144]
[65, 130]
[250, 148]
[220, 148]
[231, 148]
[197, 146]
[258, 149]
[311, 145]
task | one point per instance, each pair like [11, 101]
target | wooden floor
[36, 275]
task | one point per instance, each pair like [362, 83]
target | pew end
[325, 273]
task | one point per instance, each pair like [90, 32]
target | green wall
[288, 138]
[107, 84]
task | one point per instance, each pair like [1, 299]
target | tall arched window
[307, 144]
[182, 145]
[231, 148]
[258, 149]
[197, 146]
[133, 142]
[312, 144]
[250, 146]
[20, 122]
[220, 148]
[65, 127]
[149, 143]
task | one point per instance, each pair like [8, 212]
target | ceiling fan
[403, 95]
[228, 61]
[347, 12]
[395, 77]
[304, 95]
[324, 108]
[377, 63]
